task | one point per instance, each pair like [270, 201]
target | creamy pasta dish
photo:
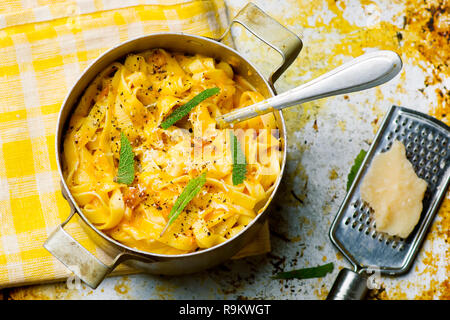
[132, 98]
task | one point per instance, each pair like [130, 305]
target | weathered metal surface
[324, 138]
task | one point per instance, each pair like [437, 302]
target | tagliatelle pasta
[134, 97]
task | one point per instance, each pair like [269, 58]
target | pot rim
[62, 124]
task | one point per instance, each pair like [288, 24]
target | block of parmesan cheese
[394, 192]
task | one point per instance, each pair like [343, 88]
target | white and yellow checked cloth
[44, 47]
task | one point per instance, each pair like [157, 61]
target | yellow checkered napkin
[43, 50]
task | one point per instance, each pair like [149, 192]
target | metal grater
[427, 143]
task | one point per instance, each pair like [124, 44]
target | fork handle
[364, 72]
[349, 285]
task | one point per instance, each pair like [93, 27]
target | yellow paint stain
[429, 260]
[321, 292]
[304, 220]
[298, 117]
[430, 293]
[442, 109]
[350, 39]
[44, 292]
[295, 191]
[326, 209]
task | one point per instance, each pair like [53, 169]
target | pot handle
[270, 31]
[76, 258]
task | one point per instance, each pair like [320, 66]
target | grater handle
[349, 285]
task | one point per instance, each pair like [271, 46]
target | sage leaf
[182, 111]
[125, 172]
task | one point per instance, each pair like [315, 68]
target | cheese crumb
[394, 192]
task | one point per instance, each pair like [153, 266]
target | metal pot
[77, 258]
